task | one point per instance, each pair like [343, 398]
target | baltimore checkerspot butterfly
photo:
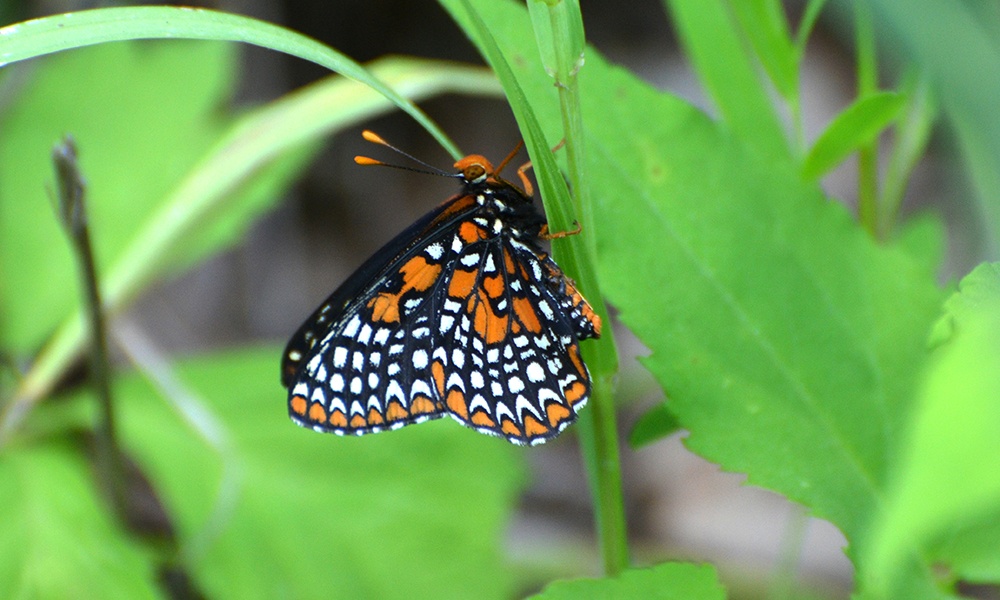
[461, 314]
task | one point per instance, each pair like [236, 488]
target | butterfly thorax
[504, 208]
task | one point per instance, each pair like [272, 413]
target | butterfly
[462, 314]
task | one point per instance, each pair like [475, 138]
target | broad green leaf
[763, 22]
[945, 496]
[141, 117]
[668, 581]
[723, 64]
[773, 320]
[57, 538]
[270, 509]
[857, 125]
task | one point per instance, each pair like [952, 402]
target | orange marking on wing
[490, 327]
[510, 428]
[470, 232]
[482, 419]
[494, 286]
[395, 411]
[556, 413]
[456, 404]
[418, 275]
[299, 405]
[437, 371]
[462, 283]
[575, 392]
[422, 405]
[533, 427]
[338, 418]
[358, 422]
[317, 412]
[585, 308]
[508, 262]
[574, 356]
[594, 320]
[385, 307]
[526, 314]
[456, 206]
[375, 417]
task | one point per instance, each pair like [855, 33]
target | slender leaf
[958, 49]
[858, 125]
[763, 22]
[726, 70]
[73, 30]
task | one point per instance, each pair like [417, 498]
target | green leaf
[668, 581]
[772, 319]
[414, 513]
[945, 496]
[763, 22]
[856, 126]
[138, 129]
[725, 67]
[656, 424]
[57, 538]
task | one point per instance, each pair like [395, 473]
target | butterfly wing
[354, 365]
[463, 319]
[507, 361]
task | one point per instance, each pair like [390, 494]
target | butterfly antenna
[510, 156]
[375, 138]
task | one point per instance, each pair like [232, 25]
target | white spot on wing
[535, 372]
[339, 357]
[352, 327]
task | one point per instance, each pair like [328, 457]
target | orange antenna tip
[373, 137]
[364, 160]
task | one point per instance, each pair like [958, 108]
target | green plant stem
[73, 212]
[559, 31]
[912, 133]
[867, 73]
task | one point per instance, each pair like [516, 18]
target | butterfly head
[475, 169]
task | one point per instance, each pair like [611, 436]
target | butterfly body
[462, 314]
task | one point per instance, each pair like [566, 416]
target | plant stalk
[73, 213]
[559, 31]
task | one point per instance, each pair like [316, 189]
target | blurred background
[338, 214]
